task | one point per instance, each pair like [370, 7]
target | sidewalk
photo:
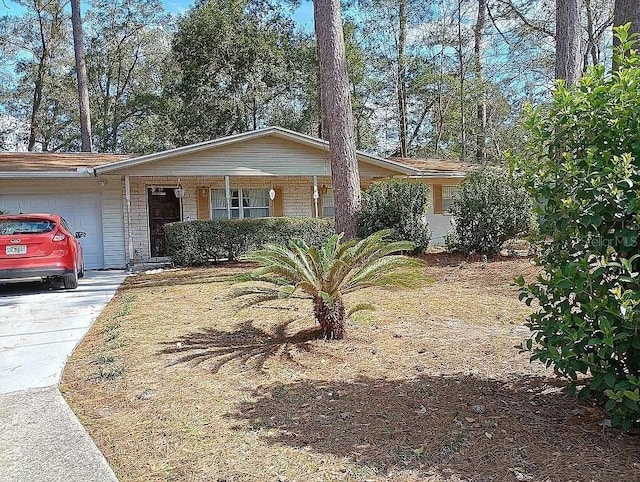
[40, 437]
[42, 440]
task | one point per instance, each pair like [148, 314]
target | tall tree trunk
[625, 11]
[322, 121]
[336, 104]
[568, 34]
[37, 100]
[81, 74]
[591, 49]
[43, 61]
[402, 78]
[482, 100]
[463, 136]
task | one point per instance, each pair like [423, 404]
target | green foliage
[193, 243]
[234, 67]
[490, 207]
[328, 272]
[401, 207]
[126, 48]
[584, 169]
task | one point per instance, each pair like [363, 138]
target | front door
[164, 207]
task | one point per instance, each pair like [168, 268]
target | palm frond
[282, 262]
[389, 271]
[328, 272]
[254, 295]
[361, 307]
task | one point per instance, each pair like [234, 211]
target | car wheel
[70, 281]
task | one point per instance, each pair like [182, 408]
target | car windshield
[26, 226]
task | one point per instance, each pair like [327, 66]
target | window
[244, 203]
[218, 204]
[26, 226]
[448, 195]
[255, 203]
[328, 206]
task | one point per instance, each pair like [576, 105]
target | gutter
[439, 174]
[80, 172]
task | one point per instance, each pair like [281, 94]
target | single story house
[122, 202]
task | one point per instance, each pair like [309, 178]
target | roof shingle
[437, 165]
[52, 162]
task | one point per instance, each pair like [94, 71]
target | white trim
[315, 194]
[277, 131]
[227, 192]
[127, 195]
[46, 174]
[440, 174]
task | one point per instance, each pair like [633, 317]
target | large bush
[400, 206]
[491, 207]
[584, 170]
[193, 243]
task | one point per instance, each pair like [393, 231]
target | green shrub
[194, 243]
[451, 241]
[400, 206]
[584, 169]
[490, 207]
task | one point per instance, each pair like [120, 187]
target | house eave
[275, 131]
[439, 175]
[84, 173]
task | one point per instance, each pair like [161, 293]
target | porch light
[272, 194]
[179, 192]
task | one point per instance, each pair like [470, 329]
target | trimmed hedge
[194, 243]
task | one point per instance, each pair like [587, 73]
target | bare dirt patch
[428, 387]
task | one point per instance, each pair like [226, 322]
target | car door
[74, 240]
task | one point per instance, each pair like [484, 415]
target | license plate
[16, 249]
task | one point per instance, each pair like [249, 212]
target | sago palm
[326, 274]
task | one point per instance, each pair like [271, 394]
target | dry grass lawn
[173, 384]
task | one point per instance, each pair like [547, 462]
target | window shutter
[277, 205]
[437, 199]
[204, 199]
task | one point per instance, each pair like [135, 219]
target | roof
[432, 167]
[83, 164]
[35, 164]
[245, 136]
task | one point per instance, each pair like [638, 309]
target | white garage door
[82, 212]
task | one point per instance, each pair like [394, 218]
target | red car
[40, 245]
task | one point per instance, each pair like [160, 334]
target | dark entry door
[164, 207]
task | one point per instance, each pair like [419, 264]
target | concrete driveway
[40, 325]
